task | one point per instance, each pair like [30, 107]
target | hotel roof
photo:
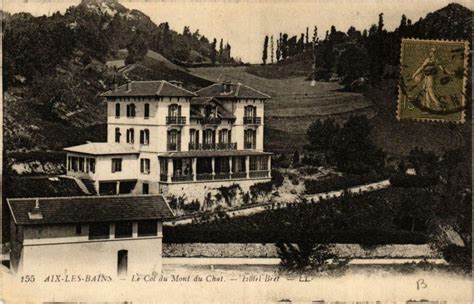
[237, 90]
[88, 209]
[102, 148]
[149, 88]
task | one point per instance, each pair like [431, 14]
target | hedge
[337, 182]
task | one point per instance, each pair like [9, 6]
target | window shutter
[229, 137]
[213, 137]
[142, 165]
[254, 139]
[141, 137]
[197, 136]
[178, 147]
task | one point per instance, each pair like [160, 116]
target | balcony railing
[175, 120]
[222, 175]
[163, 177]
[181, 178]
[248, 145]
[204, 176]
[211, 121]
[252, 120]
[215, 146]
[239, 175]
[173, 147]
[262, 173]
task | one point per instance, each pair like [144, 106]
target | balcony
[249, 145]
[252, 120]
[163, 177]
[181, 178]
[204, 176]
[215, 146]
[173, 147]
[239, 175]
[176, 120]
[222, 175]
[211, 121]
[255, 174]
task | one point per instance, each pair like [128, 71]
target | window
[250, 111]
[258, 163]
[209, 137]
[145, 188]
[81, 164]
[99, 231]
[78, 229]
[250, 139]
[174, 140]
[147, 228]
[145, 166]
[123, 229]
[131, 110]
[116, 165]
[69, 163]
[145, 137]
[92, 165]
[117, 110]
[130, 136]
[224, 136]
[117, 135]
[146, 111]
[174, 110]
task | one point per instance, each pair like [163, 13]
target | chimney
[226, 86]
[176, 83]
[115, 87]
[35, 214]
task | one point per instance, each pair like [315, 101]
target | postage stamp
[433, 78]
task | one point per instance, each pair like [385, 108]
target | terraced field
[294, 104]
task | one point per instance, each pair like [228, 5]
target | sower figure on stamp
[426, 72]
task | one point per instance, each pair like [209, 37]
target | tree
[354, 150]
[307, 36]
[213, 51]
[284, 46]
[353, 63]
[380, 25]
[265, 50]
[272, 51]
[221, 51]
[321, 135]
[278, 51]
[137, 49]
[301, 43]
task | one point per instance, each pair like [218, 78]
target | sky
[244, 23]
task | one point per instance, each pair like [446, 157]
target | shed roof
[102, 148]
[87, 209]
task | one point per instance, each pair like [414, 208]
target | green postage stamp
[433, 79]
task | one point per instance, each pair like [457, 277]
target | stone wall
[233, 250]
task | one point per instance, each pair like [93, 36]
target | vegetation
[349, 147]
[338, 182]
[369, 219]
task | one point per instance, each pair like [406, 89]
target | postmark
[433, 79]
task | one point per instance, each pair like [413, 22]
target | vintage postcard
[236, 151]
[433, 78]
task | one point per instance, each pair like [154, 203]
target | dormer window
[226, 87]
[210, 111]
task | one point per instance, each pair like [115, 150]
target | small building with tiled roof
[164, 139]
[107, 235]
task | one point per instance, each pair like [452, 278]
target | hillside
[55, 67]
[295, 104]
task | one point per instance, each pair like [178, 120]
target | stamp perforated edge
[465, 78]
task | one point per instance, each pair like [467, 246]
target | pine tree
[284, 46]
[214, 51]
[278, 52]
[221, 51]
[380, 26]
[307, 35]
[265, 50]
[271, 49]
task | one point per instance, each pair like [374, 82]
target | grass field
[294, 104]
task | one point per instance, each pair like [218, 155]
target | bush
[404, 180]
[277, 178]
[337, 182]
[194, 206]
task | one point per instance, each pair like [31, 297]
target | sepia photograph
[240, 151]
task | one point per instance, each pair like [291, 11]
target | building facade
[108, 235]
[164, 139]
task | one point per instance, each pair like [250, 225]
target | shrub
[337, 182]
[277, 178]
[194, 206]
[404, 180]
